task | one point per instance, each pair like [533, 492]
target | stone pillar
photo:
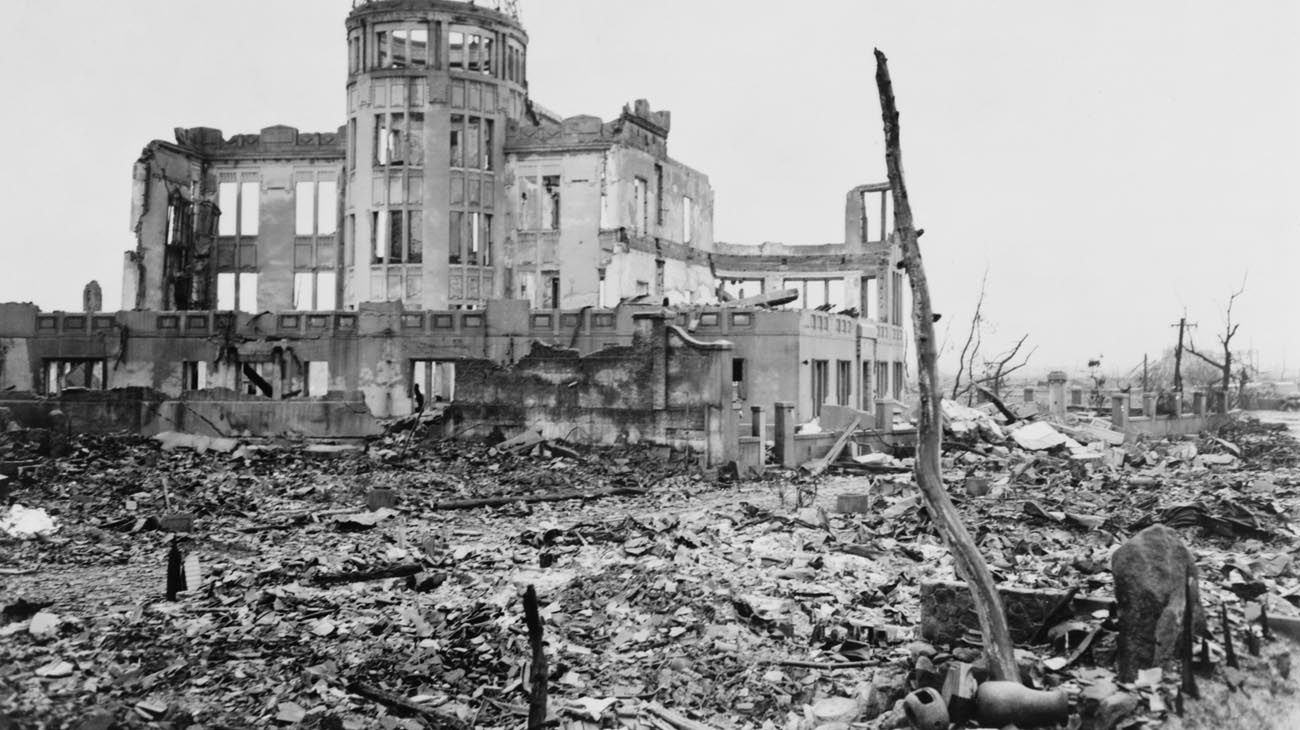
[1056, 393]
[1198, 403]
[757, 422]
[1119, 411]
[884, 415]
[784, 434]
[1178, 404]
[1029, 395]
[1149, 405]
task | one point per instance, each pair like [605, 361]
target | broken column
[784, 435]
[1119, 411]
[1152, 571]
[1056, 393]
[885, 415]
[1198, 403]
[1149, 405]
[757, 422]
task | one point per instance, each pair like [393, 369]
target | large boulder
[1151, 576]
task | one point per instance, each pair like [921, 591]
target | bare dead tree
[929, 477]
[1225, 340]
[966, 360]
[997, 369]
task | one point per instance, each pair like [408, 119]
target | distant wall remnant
[665, 387]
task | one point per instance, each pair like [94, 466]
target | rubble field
[358, 587]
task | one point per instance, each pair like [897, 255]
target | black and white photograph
[674, 365]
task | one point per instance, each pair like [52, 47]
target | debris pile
[361, 587]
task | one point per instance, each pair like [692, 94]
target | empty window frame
[824, 294]
[688, 219]
[844, 382]
[641, 205]
[738, 390]
[870, 306]
[882, 379]
[239, 205]
[867, 404]
[401, 47]
[397, 236]
[194, 375]
[660, 199]
[435, 380]
[898, 381]
[63, 373]
[315, 207]
[470, 140]
[470, 238]
[471, 49]
[315, 290]
[896, 298]
[237, 291]
[399, 139]
[307, 379]
[820, 375]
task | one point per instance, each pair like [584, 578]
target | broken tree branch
[535, 498]
[970, 564]
[436, 719]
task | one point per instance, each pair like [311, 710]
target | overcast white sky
[1110, 163]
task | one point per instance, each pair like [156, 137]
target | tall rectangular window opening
[249, 207]
[688, 219]
[844, 382]
[455, 236]
[551, 201]
[896, 298]
[640, 203]
[304, 196]
[870, 308]
[660, 199]
[898, 381]
[882, 378]
[820, 375]
[456, 51]
[317, 381]
[327, 194]
[228, 204]
[738, 379]
[194, 375]
[457, 148]
[866, 387]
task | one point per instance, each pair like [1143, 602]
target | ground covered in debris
[670, 598]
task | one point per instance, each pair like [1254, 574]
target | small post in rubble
[537, 668]
[929, 478]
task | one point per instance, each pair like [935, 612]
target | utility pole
[1178, 353]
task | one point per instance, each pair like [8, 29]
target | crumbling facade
[287, 264]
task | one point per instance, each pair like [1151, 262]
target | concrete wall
[372, 350]
[665, 387]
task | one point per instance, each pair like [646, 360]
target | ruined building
[451, 219]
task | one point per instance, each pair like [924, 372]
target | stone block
[1152, 571]
[948, 612]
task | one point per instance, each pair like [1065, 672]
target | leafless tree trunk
[1229, 329]
[970, 564]
[972, 345]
